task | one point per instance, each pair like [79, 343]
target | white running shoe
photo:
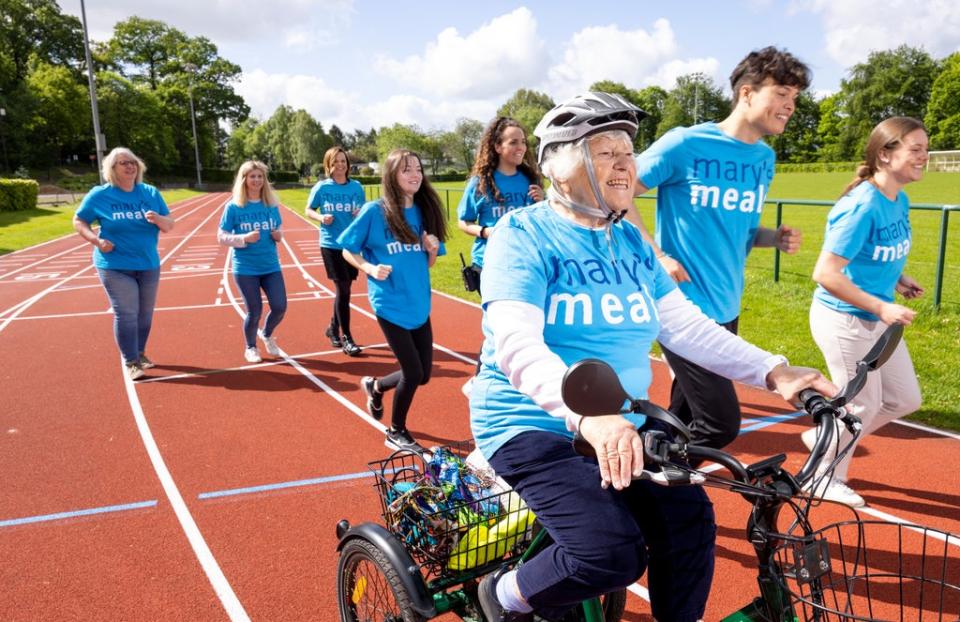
[467, 387]
[841, 493]
[134, 371]
[270, 344]
[252, 355]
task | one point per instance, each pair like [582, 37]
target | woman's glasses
[126, 162]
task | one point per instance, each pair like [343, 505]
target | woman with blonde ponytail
[859, 269]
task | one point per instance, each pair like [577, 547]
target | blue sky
[369, 64]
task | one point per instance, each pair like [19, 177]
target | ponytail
[864, 172]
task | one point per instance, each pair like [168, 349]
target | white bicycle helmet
[586, 114]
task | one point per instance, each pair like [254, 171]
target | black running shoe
[334, 337]
[350, 348]
[401, 439]
[374, 397]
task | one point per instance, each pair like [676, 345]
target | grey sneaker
[492, 610]
[401, 439]
[374, 397]
[252, 355]
[270, 344]
[134, 371]
[145, 363]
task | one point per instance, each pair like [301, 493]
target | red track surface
[71, 442]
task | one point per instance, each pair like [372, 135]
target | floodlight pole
[193, 122]
[97, 136]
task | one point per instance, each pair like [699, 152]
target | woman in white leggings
[859, 270]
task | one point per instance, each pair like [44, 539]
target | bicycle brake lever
[671, 476]
[850, 420]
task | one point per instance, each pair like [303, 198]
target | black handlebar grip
[815, 404]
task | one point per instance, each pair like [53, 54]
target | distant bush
[818, 167]
[18, 194]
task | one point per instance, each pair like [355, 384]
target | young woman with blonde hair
[251, 225]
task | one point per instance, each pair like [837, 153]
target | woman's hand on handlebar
[618, 446]
[788, 381]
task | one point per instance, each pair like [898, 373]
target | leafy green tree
[308, 141]
[800, 141]
[526, 107]
[236, 148]
[461, 144]
[363, 146]
[829, 128]
[399, 136]
[36, 29]
[652, 100]
[890, 83]
[339, 138]
[432, 150]
[144, 49]
[59, 118]
[693, 100]
[135, 117]
[943, 110]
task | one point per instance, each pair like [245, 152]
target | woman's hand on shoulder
[618, 447]
[789, 381]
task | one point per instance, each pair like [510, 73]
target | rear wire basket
[450, 524]
[876, 571]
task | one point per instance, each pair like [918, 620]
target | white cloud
[636, 58]
[428, 115]
[498, 57]
[854, 28]
[264, 92]
[305, 21]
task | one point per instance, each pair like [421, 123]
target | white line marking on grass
[209, 564]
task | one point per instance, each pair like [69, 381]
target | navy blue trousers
[605, 539]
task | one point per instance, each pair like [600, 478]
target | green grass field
[28, 227]
[774, 313]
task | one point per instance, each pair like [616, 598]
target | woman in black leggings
[395, 241]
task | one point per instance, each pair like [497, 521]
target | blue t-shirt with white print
[596, 304]
[710, 193]
[873, 233]
[338, 200]
[260, 257]
[485, 211]
[122, 218]
[403, 298]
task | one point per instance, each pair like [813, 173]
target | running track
[211, 491]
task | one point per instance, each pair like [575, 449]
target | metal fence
[373, 192]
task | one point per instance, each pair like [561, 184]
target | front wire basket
[876, 571]
[451, 522]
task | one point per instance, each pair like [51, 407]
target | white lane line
[948, 538]
[209, 564]
[300, 368]
[207, 561]
[38, 262]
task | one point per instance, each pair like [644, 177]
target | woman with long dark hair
[395, 240]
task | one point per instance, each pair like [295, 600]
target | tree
[800, 141]
[36, 29]
[143, 49]
[236, 149]
[651, 100]
[59, 118]
[829, 129]
[943, 109]
[338, 137]
[526, 107]
[363, 146]
[461, 144]
[693, 100]
[308, 141]
[135, 117]
[399, 136]
[890, 83]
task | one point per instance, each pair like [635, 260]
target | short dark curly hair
[779, 65]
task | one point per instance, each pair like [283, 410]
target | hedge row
[817, 167]
[18, 194]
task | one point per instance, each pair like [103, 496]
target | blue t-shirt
[710, 193]
[595, 306]
[872, 232]
[485, 211]
[261, 256]
[122, 218]
[403, 298]
[340, 200]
